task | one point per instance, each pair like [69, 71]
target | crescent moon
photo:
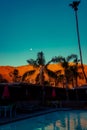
[30, 49]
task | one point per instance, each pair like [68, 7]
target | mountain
[6, 70]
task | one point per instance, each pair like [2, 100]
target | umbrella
[53, 93]
[6, 93]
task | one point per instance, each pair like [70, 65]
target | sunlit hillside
[6, 70]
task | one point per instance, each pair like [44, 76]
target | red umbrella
[6, 93]
[53, 93]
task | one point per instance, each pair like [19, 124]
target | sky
[30, 26]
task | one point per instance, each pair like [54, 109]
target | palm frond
[32, 62]
[51, 73]
[71, 57]
[74, 5]
[46, 65]
[28, 73]
[54, 59]
[40, 58]
[61, 59]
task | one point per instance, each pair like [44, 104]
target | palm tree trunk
[41, 75]
[41, 80]
[67, 87]
[78, 36]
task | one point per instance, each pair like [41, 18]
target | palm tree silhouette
[15, 75]
[65, 63]
[75, 5]
[41, 65]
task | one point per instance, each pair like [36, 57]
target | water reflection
[60, 120]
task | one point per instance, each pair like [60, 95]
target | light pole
[74, 5]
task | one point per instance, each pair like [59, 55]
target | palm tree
[15, 75]
[74, 72]
[60, 78]
[41, 65]
[75, 5]
[65, 63]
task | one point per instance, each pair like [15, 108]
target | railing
[6, 109]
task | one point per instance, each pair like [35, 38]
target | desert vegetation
[59, 71]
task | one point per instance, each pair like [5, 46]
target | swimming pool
[59, 120]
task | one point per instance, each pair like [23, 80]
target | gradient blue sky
[43, 25]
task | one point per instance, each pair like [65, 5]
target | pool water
[59, 120]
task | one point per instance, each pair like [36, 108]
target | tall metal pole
[74, 5]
